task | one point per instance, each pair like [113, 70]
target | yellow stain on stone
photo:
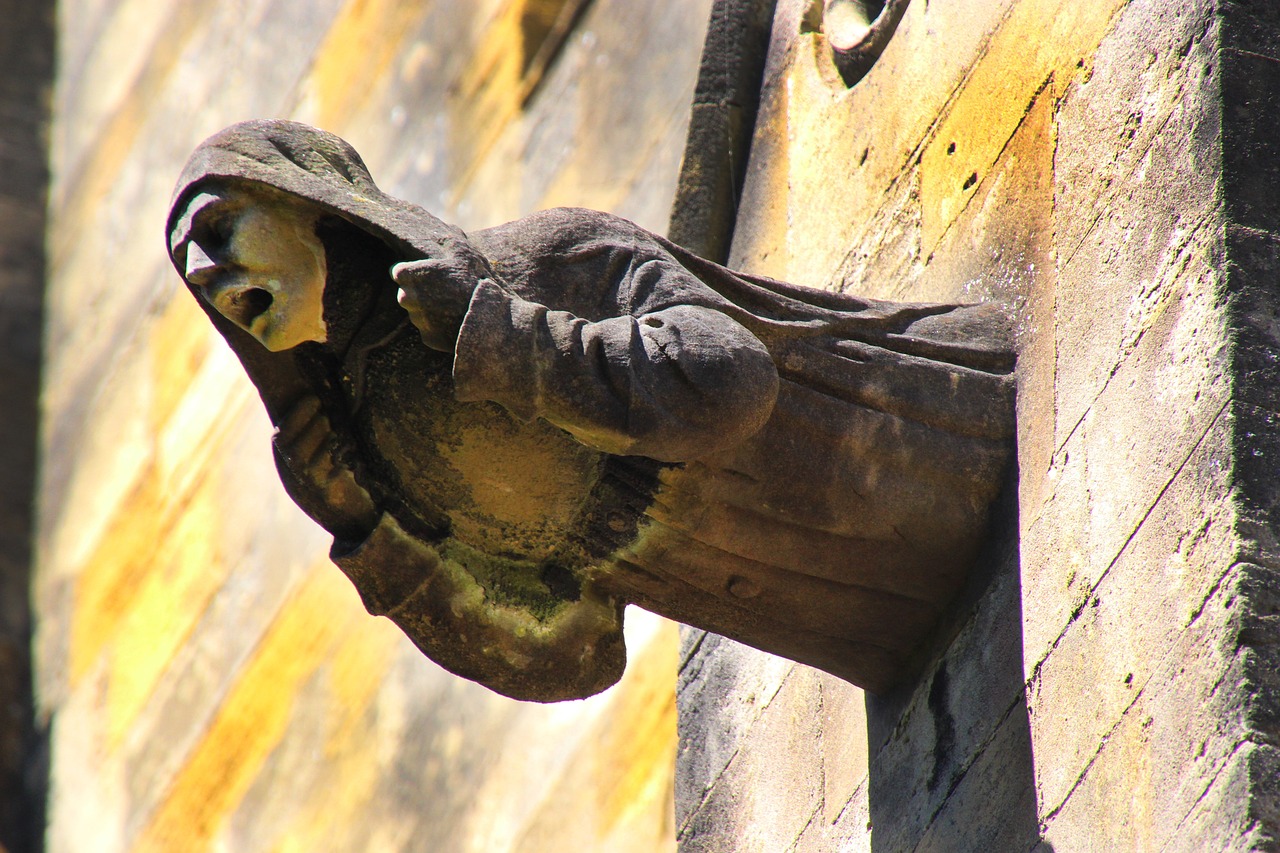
[365, 37]
[616, 792]
[183, 575]
[252, 719]
[179, 341]
[510, 59]
[489, 93]
[135, 553]
[105, 589]
[355, 676]
[1041, 42]
[639, 735]
[79, 200]
[351, 750]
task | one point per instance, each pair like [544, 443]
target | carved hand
[307, 443]
[435, 293]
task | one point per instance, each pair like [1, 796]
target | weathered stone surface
[1251, 27]
[723, 688]
[1134, 216]
[1143, 619]
[844, 748]
[721, 124]
[366, 751]
[991, 807]
[924, 745]
[1253, 259]
[766, 795]
[1121, 636]
[1113, 468]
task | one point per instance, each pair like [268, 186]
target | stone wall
[212, 681]
[1108, 682]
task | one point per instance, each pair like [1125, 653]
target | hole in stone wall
[847, 23]
[857, 32]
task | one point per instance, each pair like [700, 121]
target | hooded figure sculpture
[514, 433]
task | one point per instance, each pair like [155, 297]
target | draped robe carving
[618, 421]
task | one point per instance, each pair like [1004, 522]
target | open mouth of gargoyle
[245, 306]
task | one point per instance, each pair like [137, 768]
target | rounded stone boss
[513, 433]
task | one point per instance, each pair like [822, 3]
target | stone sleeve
[575, 652]
[672, 384]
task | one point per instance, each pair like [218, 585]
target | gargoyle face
[255, 257]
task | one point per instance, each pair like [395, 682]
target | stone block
[1036, 43]
[992, 807]
[1118, 459]
[1091, 675]
[924, 742]
[723, 688]
[573, 142]
[1135, 176]
[772, 788]
[844, 745]
[850, 834]
[1129, 267]
[1151, 68]
[1000, 246]
[1171, 750]
[1253, 313]
[1221, 818]
[1255, 445]
[178, 712]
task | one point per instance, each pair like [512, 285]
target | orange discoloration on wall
[489, 93]
[183, 574]
[1041, 42]
[104, 590]
[355, 675]
[252, 719]
[157, 558]
[366, 36]
[179, 342]
[636, 767]
[81, 197]
[617, 792]
[202, 696]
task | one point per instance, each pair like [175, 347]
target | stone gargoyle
[513, 433]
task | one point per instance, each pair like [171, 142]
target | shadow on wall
[951, 760]
[26, 70]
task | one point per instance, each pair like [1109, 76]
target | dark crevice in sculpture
[514, 433]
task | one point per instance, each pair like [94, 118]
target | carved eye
[214, 231]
